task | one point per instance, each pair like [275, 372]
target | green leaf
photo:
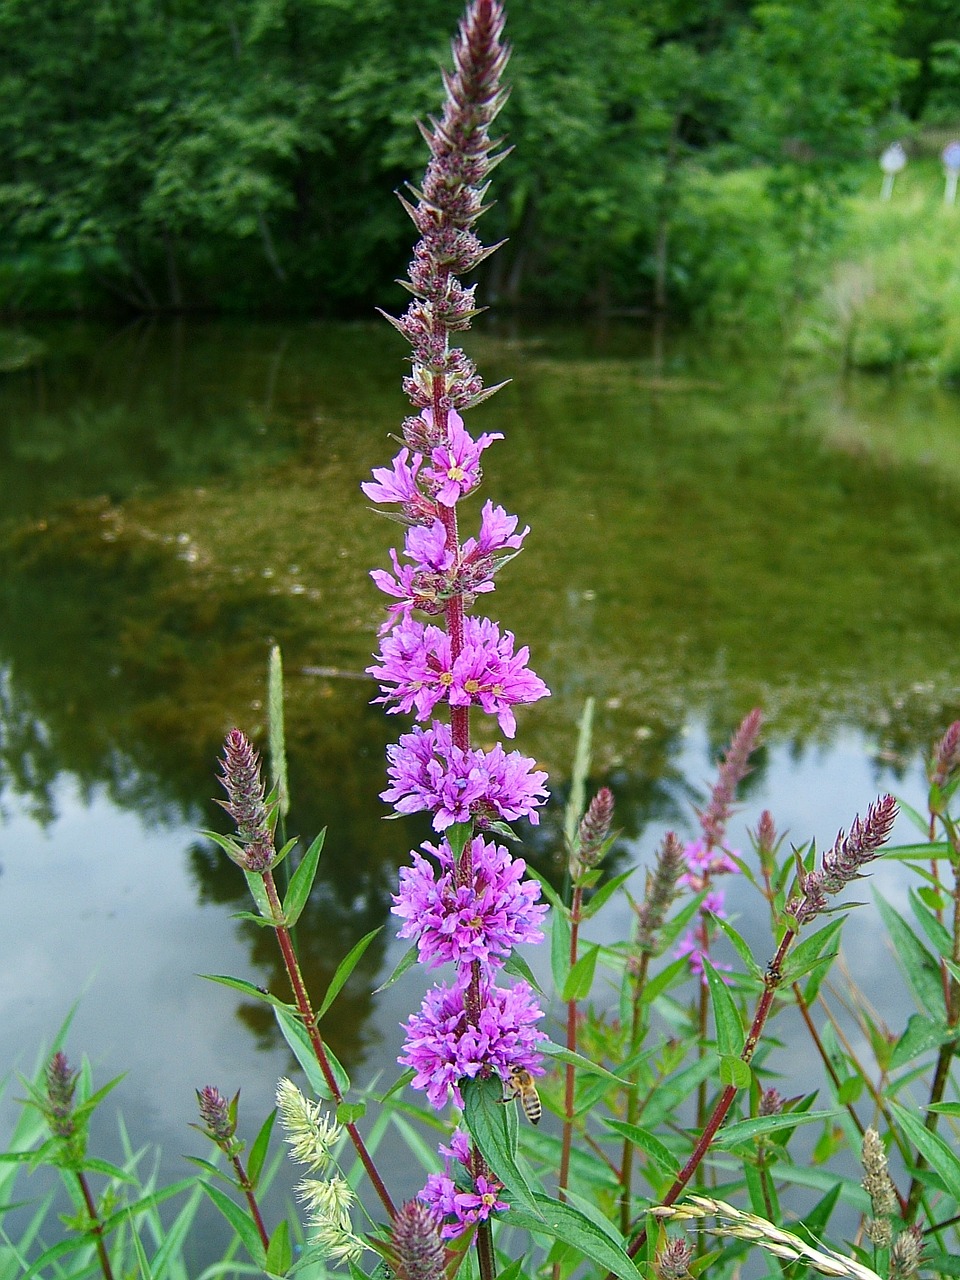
[240, 1221]
[247, 989]
[261, 921]
[457, 836]
[276, 744]
[578, 1060]
[920, 967]
[513, 1272]
[50, 1255]
[301, 882]
[749, 1130]
[850, 1090]
[932, 1147]
[726, 1016]
[259, 895]
[489, 1123]
[564, 1222]
[351, 1112]
[345, 968]
[280, 1253]
[258, 1152]
[677, 970]
[406, 961]
[560, 948]
[518, 967]
[580, 978]
[295, 1034]
[604, 893]
[401, 1082]
[805, 954]
[655, 1149]
[924, 852]
[937, 934]
[921, 1035]
[734, 1071]
[207, 1167]
[942, 1264]
[547, 889]
[739, 945]
[91, 1164]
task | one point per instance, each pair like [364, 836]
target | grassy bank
[891, 300]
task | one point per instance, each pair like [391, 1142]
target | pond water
[711, 530]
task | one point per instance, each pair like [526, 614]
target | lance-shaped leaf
[493, 1128]
[345, 968]
[563, 1222]
[301, 882]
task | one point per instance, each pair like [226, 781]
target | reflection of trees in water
[348, 900]
[133, 634]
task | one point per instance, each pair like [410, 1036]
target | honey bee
[520, 1086]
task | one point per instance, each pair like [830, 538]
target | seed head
[906, 1254]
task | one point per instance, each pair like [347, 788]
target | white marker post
[951, 170]
[893, 160]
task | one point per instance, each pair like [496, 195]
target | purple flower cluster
[457, 784]
[418, 669]
[464, 900]
[481, 920]
[456, 1207]
[444, 1043]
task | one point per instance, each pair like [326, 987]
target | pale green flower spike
[782, 1244]
[311, 1133]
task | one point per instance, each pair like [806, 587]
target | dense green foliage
[232, 154]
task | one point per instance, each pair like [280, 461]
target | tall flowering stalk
[465, 902]
[844, 862]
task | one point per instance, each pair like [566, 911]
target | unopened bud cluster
[660, 892]
[416, 1242]
[845, 860]
[246, 803]
[593, 832]
[946, 756]
[218, 1115]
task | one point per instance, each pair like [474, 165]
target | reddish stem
[246, 1186]
[567, 1144]
[305, 1008]
[771, 982]
[96, 1226]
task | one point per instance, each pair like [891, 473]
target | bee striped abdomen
[520, 1085]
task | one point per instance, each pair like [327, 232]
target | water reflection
[181, 497]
